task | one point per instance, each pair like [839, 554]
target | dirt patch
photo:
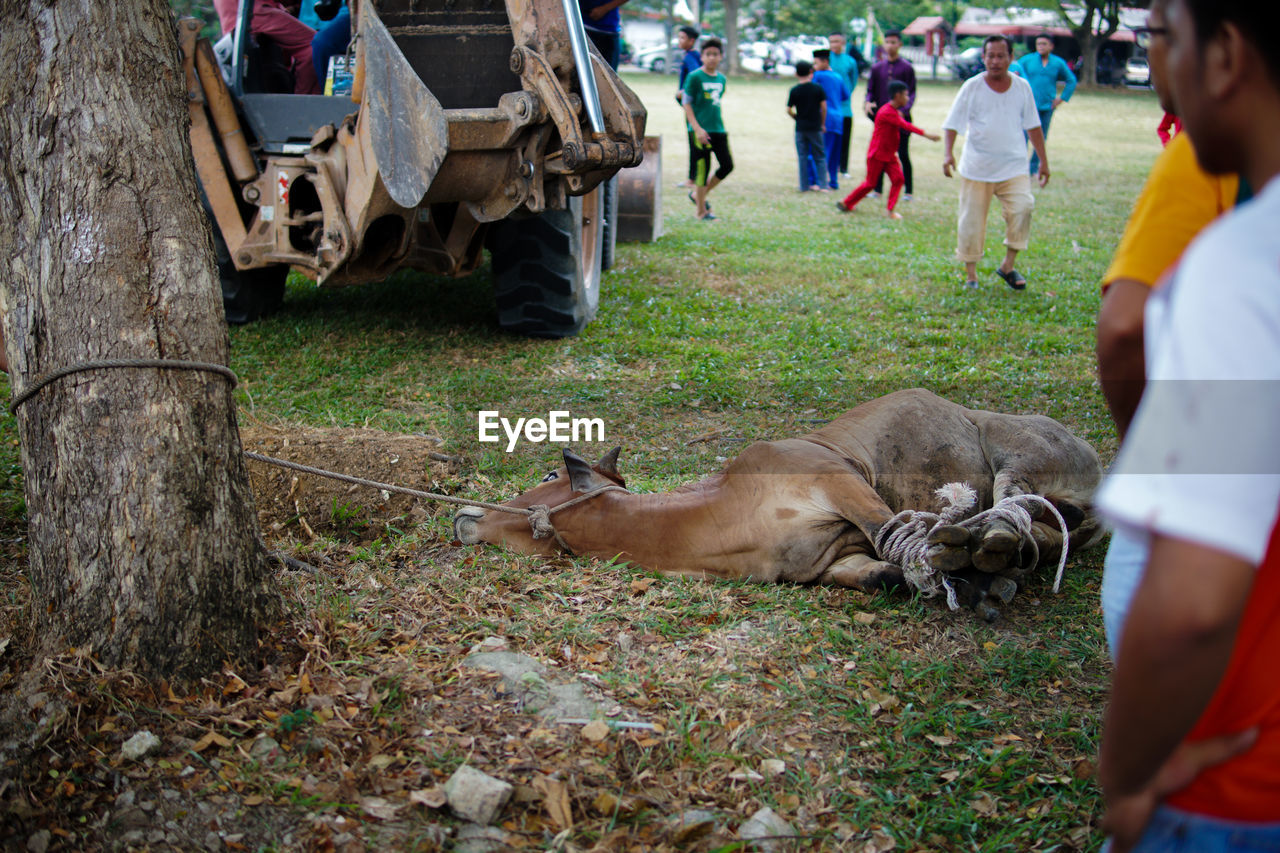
[306, 505]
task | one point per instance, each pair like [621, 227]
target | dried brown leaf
[555, 798]
[432, 798]
[595, 731]
[379, 808]
[984, 804]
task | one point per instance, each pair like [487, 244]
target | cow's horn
[609, 462]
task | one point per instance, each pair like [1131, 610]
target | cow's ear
[581, 477]
[608, 463]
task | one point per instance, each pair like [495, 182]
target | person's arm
[911, 86]
[1121, 361]
[823, 102]
[1176, 647]
[903, 124]
[1064, 74]
[948, 155]
[605, 8]
[698, 133]
[1036, 135]
[869, 105]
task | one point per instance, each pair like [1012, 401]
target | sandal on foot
[694, 201]
[971, 284]
[1014, 279]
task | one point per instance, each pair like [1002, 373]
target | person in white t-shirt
[993, 110]
[1190, 755]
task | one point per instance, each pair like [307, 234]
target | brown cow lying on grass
[810, 509]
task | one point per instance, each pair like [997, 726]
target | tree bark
[143, 537]
[731, 36]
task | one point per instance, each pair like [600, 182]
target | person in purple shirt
[893, 67]
[1044, 70]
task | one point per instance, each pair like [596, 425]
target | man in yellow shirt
[1177, 202]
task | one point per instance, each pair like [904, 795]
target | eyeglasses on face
[1142, 35]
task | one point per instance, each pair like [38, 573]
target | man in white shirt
[993, 110]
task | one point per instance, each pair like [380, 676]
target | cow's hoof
[949, 548]
[1000, 547]
[949, 534]
[949, 559]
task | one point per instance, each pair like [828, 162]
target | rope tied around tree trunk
[38, 384]
[907, 546]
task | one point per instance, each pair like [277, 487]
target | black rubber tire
[247, 295]
[546, 269]
[609, 237]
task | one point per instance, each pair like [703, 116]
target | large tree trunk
[143, 537]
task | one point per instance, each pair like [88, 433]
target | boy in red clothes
[882, 153]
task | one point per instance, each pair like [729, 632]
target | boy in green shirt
[703, 90]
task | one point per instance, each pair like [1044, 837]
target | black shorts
[718, 146]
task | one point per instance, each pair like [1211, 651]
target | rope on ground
[903, 540]
[386, 487]
[35, 386]
[539, 514]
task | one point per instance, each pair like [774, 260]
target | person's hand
[1127, 817]
[597, 13]
[703, 137]
[1042, 177]
[1057, 102]
[871, 110]
[948, 163]
[933, 137]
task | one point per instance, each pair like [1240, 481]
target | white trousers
[1016, 202]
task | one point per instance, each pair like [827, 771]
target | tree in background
[1101, 19]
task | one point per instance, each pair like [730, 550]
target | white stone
[476, 796]
[139, 745]
[764, 827]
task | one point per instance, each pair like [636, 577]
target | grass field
[867, 722]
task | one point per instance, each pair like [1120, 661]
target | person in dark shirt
[882, 154]
[604, 27]
[687, 40]
[807, 105]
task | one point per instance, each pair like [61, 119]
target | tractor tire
[609, 239]
[247, 295]
[546, 268]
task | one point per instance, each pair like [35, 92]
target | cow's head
[577, 476]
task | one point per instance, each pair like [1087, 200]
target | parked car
[1137, 72]
[967, 63]
[657, 58]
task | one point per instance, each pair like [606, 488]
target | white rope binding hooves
[904, 539]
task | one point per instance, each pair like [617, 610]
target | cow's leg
[862, 571]
[993, 544]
